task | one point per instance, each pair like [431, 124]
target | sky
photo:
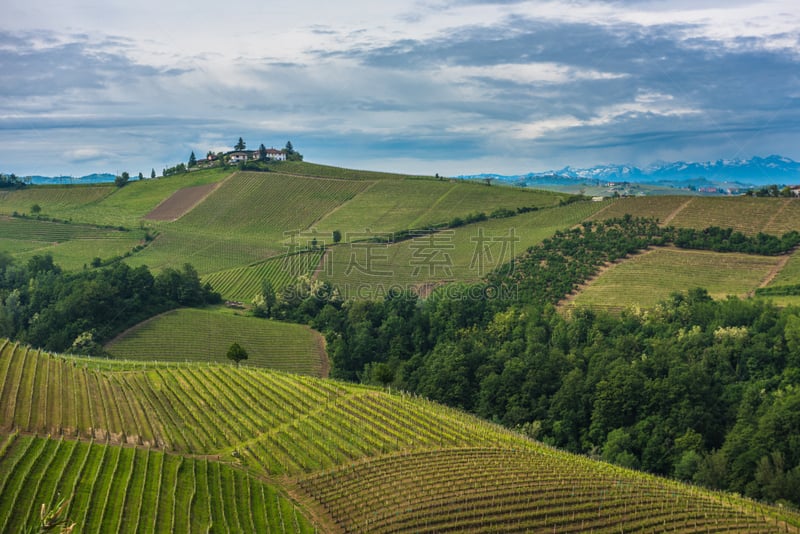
[435, 86]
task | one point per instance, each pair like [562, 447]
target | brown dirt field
[181, 202]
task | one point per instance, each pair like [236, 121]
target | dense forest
[702, 390]
[48, 308]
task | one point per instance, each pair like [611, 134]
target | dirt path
[676, 211]
[775, 271]
[325, 362]
[775, 215]
[183, 201]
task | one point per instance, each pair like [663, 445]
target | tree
[266, 300]
[153, 173]
[192, 160]
[289, 148]
[337, 236]
[240, 145]
[36, 209]
[237, 353]
[122, 179]
[262, 153]
[141, 176]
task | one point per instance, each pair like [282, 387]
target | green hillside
[466, 253]
[205, 336]
[201, 437]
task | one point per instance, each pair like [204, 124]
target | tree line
[44, 306]
[702, 390]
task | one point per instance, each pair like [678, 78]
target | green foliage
[192, 160]
[236, 353]
[122, 179]
[240, 145]
[59, 311]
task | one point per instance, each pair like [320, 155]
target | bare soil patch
[181, 202]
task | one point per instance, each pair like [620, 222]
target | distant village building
[277, 155]
[238, 157]
[253, 155]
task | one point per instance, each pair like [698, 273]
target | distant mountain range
[88, 179]
[736, 174]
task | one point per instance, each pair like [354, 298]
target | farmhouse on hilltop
[240, 156]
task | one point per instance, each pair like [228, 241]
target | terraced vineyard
[205, 335]
[243, 283]
[200, 439]
[641, 280]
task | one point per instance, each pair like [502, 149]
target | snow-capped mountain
[752, 172]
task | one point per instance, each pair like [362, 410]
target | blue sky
[447, 86]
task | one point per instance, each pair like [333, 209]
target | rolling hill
[169, 437]
[188, 447]
[205, 335]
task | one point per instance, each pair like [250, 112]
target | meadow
[204, 335]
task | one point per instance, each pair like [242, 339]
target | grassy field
[466, 253]
[350, 458]
[206, 335]
[647, 278]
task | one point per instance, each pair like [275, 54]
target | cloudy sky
[447, 86]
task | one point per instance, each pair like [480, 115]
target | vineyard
[641, 280]
[243, 283]
[266, 205]
[185, 447]
[104, 204]
[56, 201]
[466, 253]
[393, 205]
[494, 490]
[71, 245]
[124, 489]
[749, 215]
[205, 335]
